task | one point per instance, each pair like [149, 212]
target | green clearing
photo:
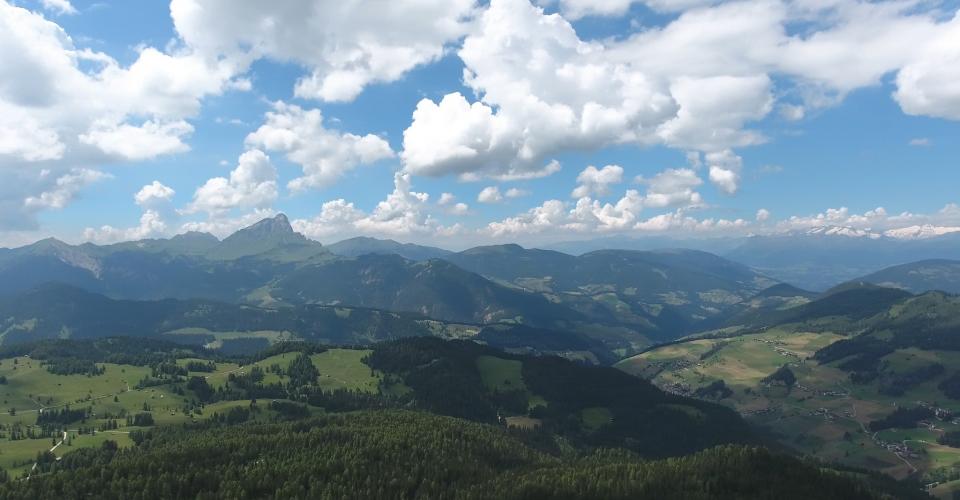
[76, 441]
[272, 336]
[595, 418]
[500, 374]
[18, 456]
[30, 386]
[344, 369]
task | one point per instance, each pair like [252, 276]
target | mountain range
[622, 299]
[614, 302]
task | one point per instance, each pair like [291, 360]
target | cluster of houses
[831, 393]
[942, 414]
[776, 345]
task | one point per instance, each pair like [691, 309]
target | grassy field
[18, 456]
[30, 387]
[824, 414]
[595, 418]
[344, 369]
[500, 374]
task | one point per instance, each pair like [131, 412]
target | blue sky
[741, 118]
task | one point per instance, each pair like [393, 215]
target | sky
[455, 122]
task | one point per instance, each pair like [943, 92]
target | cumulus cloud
[724, 170]
[154, 194]
[344, 46]
[403, 212]
[927, 85]
[450, 204]
[59, 6]
[460, 209]
[325, 155]
[151, 225]
[138, 142]
[84, 102]
[252, 184]
[556, 218]
[64, 108]
[64, 188]
[673, 187]
[763, 215]
[446, 199]
[696, 83]
[490, 194]
[516, 193]
[156, 201]
[576, 9]
[597, 182]
[792, 112]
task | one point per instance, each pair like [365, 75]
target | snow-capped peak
[851, 232]
[920, 232]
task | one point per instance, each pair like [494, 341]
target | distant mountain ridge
[664, 293]
[362, 245]
[922, 276]
[623, 300]
[821, 259]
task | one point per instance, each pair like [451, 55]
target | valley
[829, 383]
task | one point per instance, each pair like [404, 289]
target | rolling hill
[918, 277]
[361, 245]
[825, 257]
[862, 374]
[60, 311]
[661, 293]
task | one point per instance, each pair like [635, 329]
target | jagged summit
[268, 235]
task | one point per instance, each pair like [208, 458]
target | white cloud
[59, 7]
[763, 215]
[154, 194]
[151, 225]
[555, 219]
[253, 184]
[792, 112]
[324, 154]
[516, 193]
[576, 9]
[132, 142]
[64, 108]
[446, 199]
[696, 83]
[344, 46]
[921, 141]
[404, 212]
[594, 181]
[928, 84]
[75, 97]
[460, 209]
[673, 187]
[713, 111]
[490, 194]
[724, 170]
[64, 188]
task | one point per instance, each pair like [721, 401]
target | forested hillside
[415, 455]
